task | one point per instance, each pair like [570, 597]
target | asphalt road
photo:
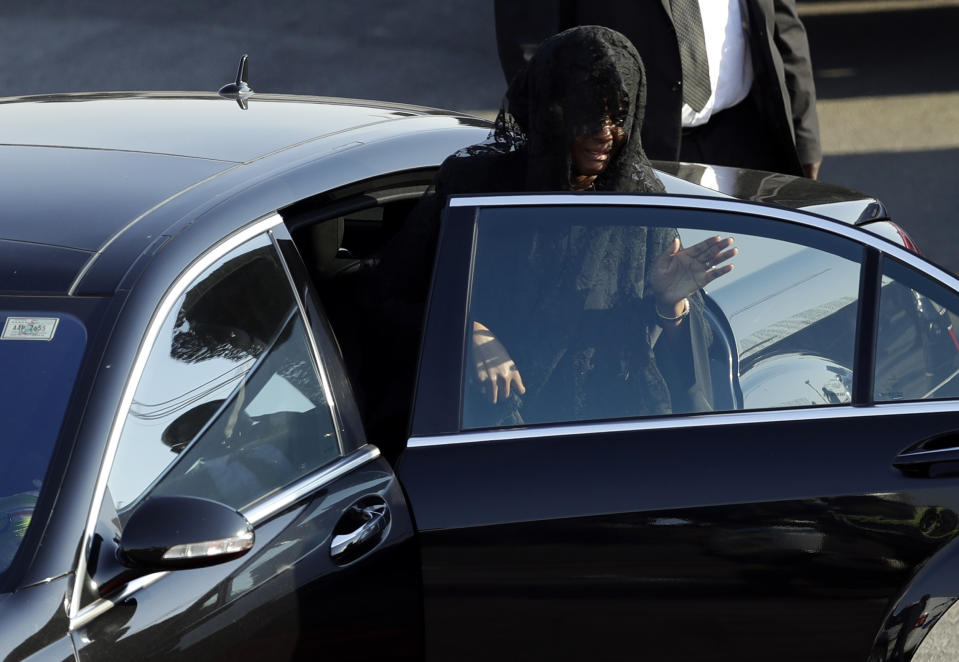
[889, 109]
[885, 73]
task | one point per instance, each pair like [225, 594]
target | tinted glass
[917, 354]
[40, 353]
[565, 293]
[231, 405]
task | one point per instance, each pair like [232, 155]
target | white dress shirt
[730, 65]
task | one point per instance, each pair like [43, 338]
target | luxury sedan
[185, 472]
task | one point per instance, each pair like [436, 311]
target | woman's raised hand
[679, 272]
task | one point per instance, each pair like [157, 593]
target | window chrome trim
[936, 451]
[257, 514]
[808, 219]
[265, 509]
[241, 236]
[688, 422]
[314, 348]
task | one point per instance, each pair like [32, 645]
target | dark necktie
[692, 52]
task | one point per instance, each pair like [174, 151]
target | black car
[184, 471]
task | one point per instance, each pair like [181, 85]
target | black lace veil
[573, 79]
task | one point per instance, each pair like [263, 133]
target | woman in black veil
[570, 122]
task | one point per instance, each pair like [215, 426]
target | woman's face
[593, 147]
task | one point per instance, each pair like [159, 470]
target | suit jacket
[783, 87]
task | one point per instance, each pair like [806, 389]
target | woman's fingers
[719, 258]
[518, 378]
[707, 246]
[511, 377]
[712, 251]
[716, 272]
[715, 247]
[504, 377]
[489, 379]
[725, 255]
[675, 246]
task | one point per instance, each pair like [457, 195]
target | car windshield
[40, 354]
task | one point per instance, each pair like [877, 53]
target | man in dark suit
[773, 127]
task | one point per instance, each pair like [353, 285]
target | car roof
[76, 170]
[187, 124]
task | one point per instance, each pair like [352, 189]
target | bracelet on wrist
[681, 315]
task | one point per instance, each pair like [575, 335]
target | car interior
[335, 230]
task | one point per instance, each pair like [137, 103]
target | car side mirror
[176, 532]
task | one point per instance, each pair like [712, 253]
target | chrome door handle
[917, 463]
[366, 525]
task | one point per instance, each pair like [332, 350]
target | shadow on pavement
[884, 52]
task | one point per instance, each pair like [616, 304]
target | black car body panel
[285, 598]
[786, 531]
[558, 529]
[790, 191]
[39, 268]
[653, 561]
[103, 191]
[38, 624]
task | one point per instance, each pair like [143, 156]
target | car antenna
[240, 90]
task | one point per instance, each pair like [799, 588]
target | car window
[917, 353]
[40, 351]
[231, 405]
[565, 293]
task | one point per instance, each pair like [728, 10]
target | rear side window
[231, 405]
[917, 353]
[566, 294]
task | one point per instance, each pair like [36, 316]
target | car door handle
[916, 462]
[362, 526]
